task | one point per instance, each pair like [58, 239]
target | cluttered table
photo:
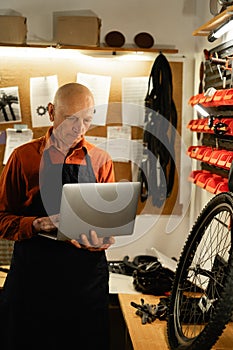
[143, 336]
[153, 336]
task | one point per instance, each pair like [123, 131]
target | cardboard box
[81, 28]
[13, 30]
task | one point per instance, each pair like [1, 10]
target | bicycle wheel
[201, 299]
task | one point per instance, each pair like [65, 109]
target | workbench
[153, 336]
[3, 275]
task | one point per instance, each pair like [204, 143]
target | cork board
[17, 71]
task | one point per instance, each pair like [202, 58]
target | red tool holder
[211, 182]
[201, 125]
[219, 158]
[219, 98]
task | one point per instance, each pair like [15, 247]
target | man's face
[71, 120]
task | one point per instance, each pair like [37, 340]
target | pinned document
[15, 137]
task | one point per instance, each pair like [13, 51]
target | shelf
[222, 97]
[214, 23]
[102, 48]
[220, 158]
[129, 48]
[201, 125]
[211, 182]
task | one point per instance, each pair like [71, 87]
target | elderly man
[56, 292]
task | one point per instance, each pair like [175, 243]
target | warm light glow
[87, 55]
[52, 52]
[31, 52]
[135, 56]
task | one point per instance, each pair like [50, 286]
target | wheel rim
[202, 275]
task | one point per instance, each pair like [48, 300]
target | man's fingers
[75, 243]
[96, 243]
[84, 240]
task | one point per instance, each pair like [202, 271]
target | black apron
[56, 294]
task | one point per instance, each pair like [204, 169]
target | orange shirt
[19, 181]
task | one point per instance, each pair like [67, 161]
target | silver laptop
[108, 208]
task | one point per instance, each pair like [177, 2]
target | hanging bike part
[159, 134]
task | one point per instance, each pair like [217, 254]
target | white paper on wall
[118, 143]
[98, 141]
[134, 90]
[136, 156]
[42, 91]
[99, 85]
[15, 138]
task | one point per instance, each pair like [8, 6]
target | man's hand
[46, 224]
[95, 243]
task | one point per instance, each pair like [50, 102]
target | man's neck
[62, 146]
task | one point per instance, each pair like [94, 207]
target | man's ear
[51, 111]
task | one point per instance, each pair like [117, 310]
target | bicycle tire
[201, 299]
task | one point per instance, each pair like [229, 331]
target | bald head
[70, 99]
[72, 92]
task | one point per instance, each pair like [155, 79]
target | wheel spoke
[201, 275]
